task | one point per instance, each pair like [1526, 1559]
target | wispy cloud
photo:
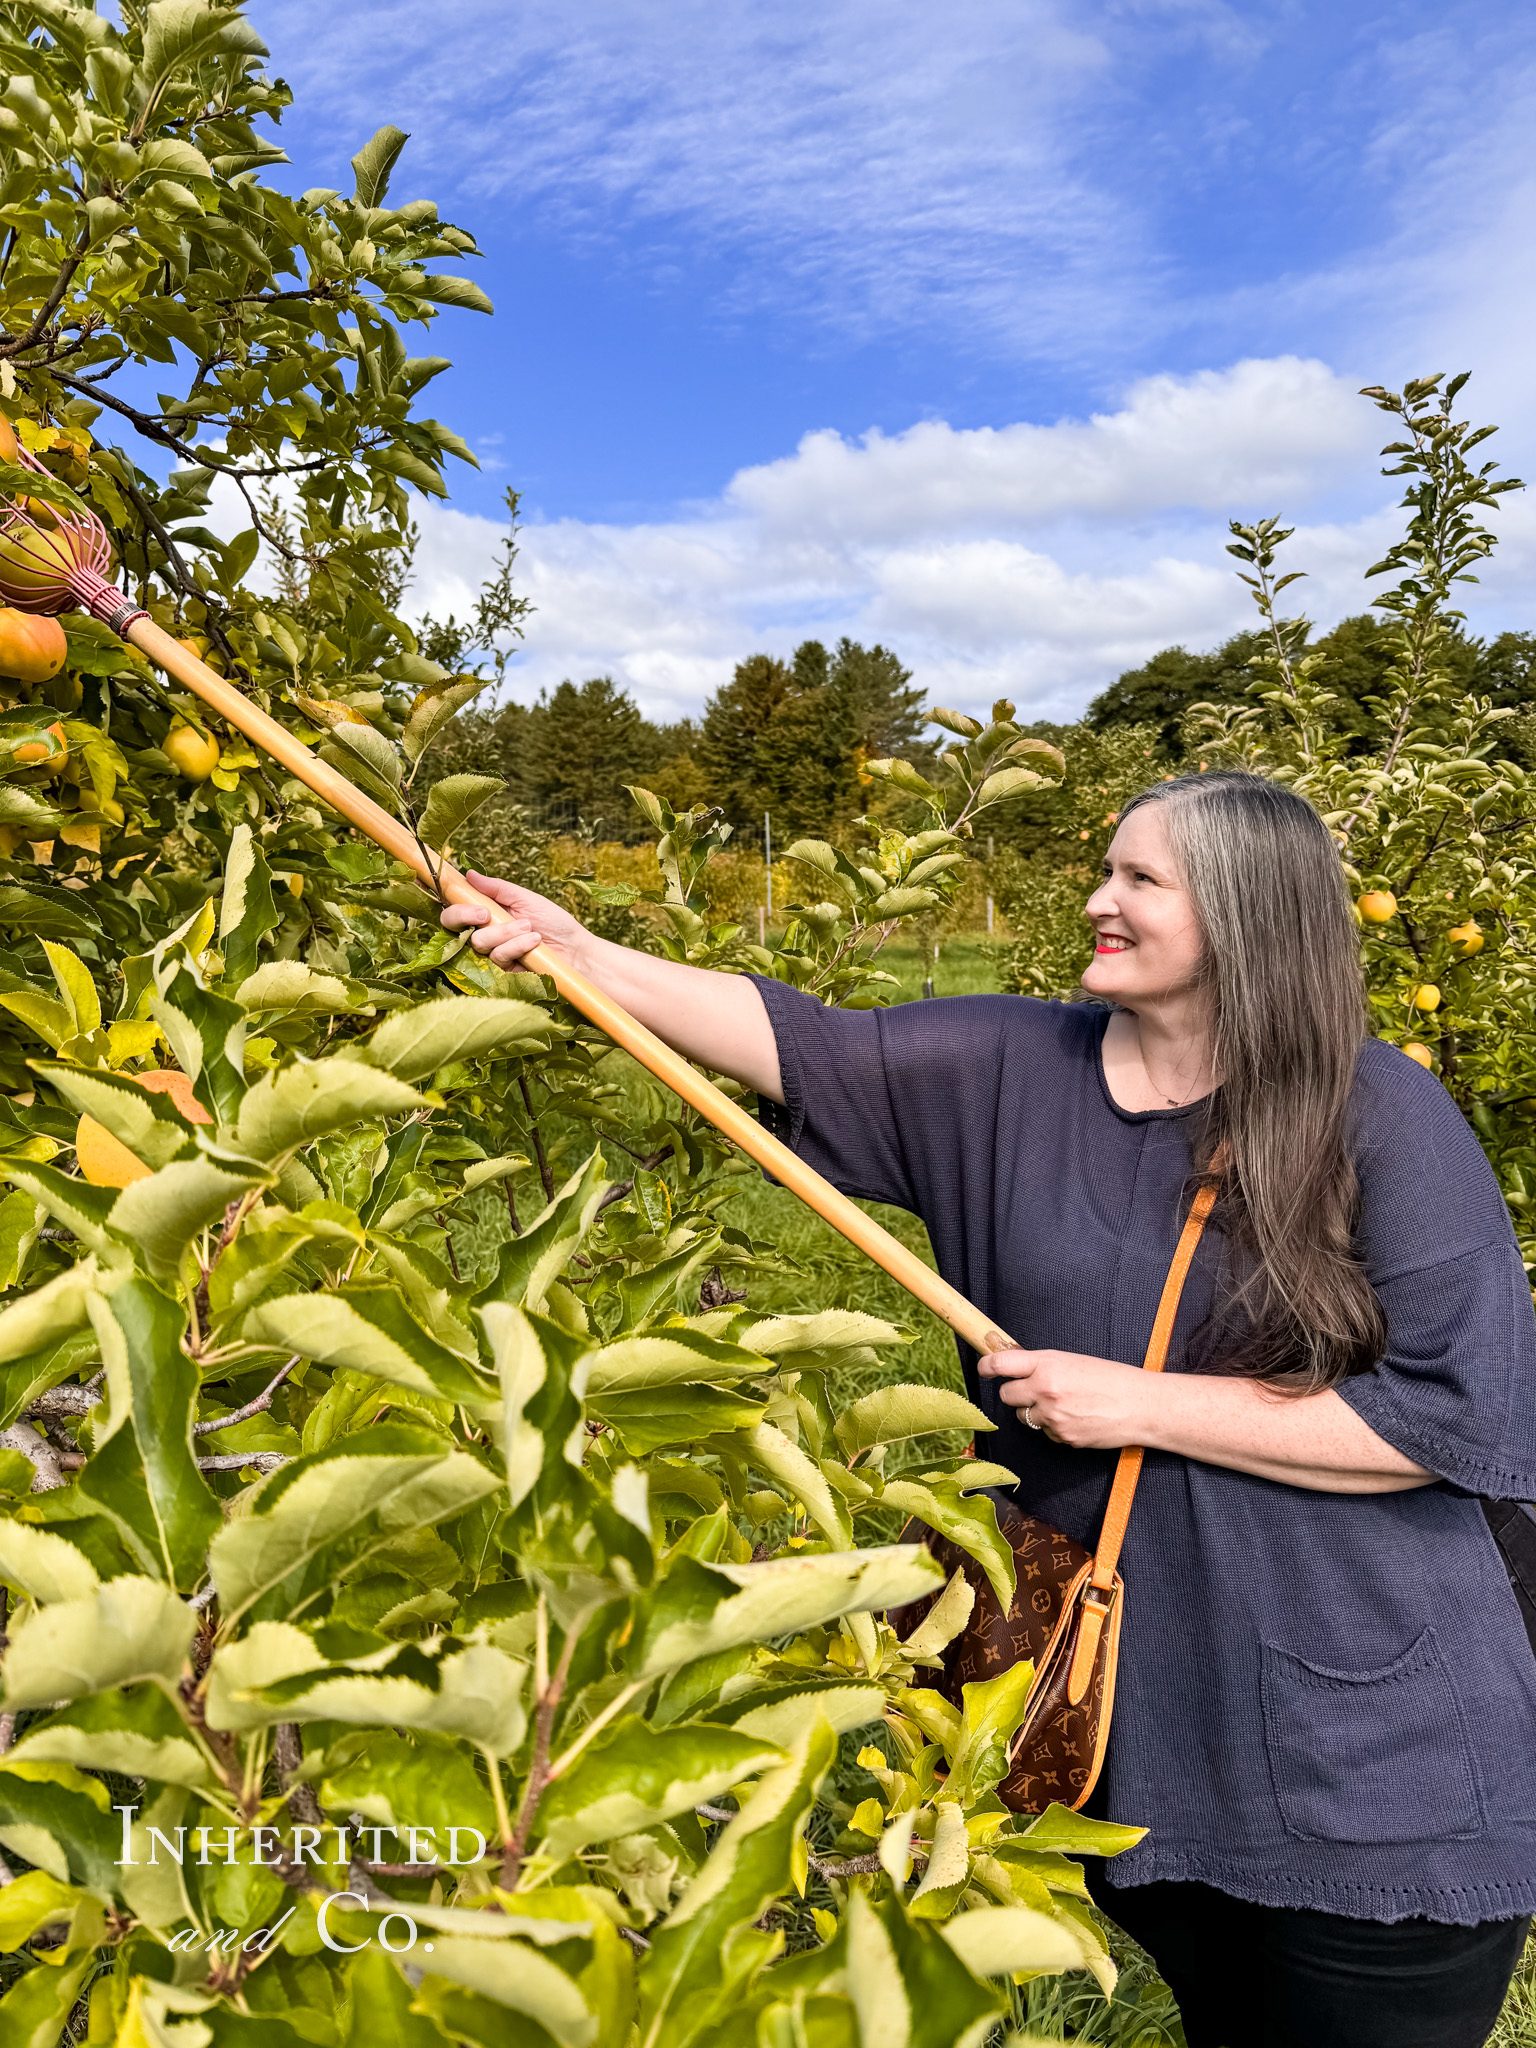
[887, 164]
[1021, 176]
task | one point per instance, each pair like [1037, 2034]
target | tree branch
[147, 425]
[538, 1772]
[21, 1436]
[49, 307]
[259, 1406]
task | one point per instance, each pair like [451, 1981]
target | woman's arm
[717, 1019]
[1314, 1440]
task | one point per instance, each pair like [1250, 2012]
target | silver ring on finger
[1029, 1417]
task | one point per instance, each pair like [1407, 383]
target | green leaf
[426, 1781]
[267, 1653]
[312, 1098]
[433, 708]
[518, 1978]
[699, 1609]
[181, 33]
[452, 800]
[632, 1776]
[415, 1043]
[994, 1941]
[129, 1629]
[840, 1336]
[522, 1365]
[908, 1987]
[138, 1733]
[46, 1567]
[403, 462]
[456, 291]
[20, 807]
[655, 1288]
[1076, 1835]
[29, 1904]
[772, 1452]
[892, 1414]
[1009, 782]
[207, 1034]
[668, 1358]
[381, 2004]
[363, 743]
[478, 1698]
[990, 1716]
[57, 1817]
[50, 1021]
[969, 1521]
[148, 1124]
[903, 775]
[949, 1864]
[73, 1202]
[143, 1471]
[44, 910]
[247, 912]
[162, 1214]
[751, 1864]
[290, 985]
[943, 1621]
[374, 162]
[653, 1418]
[903, 903]
[76, 988]
[49, 1313]
[369, 1330]
[57, 1359]
[529, 1265]
[784, 1713]
[369, 1487]
[34, 2012]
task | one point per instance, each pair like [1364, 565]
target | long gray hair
[1281, 967]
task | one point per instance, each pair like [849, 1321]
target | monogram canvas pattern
[1055, 1754]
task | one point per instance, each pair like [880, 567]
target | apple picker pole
[56, 561]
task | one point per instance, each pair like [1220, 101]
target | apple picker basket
[52, 561]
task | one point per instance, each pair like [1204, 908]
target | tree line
[786, 737]
[790, 737]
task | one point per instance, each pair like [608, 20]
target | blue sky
[1092, 276]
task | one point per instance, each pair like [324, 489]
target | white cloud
[1030, 561]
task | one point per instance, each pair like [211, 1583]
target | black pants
[1280, 1977]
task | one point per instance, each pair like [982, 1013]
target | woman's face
[1148, 941]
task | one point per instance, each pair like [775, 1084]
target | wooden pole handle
[668, 1066]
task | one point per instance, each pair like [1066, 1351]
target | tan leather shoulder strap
[1128, 1470]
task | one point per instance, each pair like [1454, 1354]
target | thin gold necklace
[1173, 1101]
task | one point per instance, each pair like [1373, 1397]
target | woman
[1326, 1714]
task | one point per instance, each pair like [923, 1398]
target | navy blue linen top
[1324, 1700]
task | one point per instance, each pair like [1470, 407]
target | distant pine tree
[789, 738]
[582, 744]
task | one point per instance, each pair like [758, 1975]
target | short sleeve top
[1324, 1699]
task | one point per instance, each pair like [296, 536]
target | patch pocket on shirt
[1370, 1756]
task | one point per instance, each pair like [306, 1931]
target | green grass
[964, 966]
[1517, 2022]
